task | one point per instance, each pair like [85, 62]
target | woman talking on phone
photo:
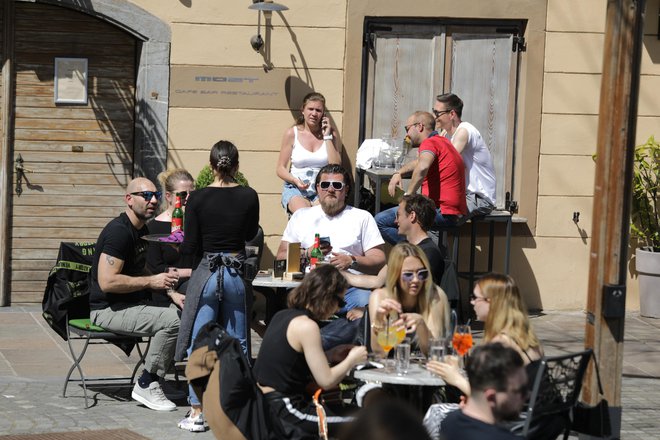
[307, 146]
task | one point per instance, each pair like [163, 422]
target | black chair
[555, 392]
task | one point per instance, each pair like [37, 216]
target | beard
[332, 206]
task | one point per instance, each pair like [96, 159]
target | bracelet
[376, 328]
[327, 137]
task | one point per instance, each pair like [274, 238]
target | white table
[416, 387]
[275, 291]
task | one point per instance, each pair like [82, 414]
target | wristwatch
[354, 263]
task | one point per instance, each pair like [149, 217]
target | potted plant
[645, 225]
[205, 178]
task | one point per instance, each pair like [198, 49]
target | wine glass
[390, 336]
[462, 340]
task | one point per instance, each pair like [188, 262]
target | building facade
[164, 80]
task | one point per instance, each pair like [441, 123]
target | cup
[402, 357]
[174, 271]
[437, 351]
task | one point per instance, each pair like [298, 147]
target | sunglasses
[408, 127]
[148, 195]
[421, 274]
[475, 298]
[338, 186]
[438, 113]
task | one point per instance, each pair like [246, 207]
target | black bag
[67, 287]
[593, 420]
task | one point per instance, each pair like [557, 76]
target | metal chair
[555, 392]
[82, 329]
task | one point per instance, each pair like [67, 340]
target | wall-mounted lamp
[265, 6]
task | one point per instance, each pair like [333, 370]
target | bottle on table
[315, 255]
[177, 216]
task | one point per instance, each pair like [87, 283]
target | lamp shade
[267, 6]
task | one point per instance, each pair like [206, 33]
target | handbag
[593, 420]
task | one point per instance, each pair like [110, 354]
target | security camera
[257, 42]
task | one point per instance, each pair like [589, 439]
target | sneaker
[152, 397]
[193, 424]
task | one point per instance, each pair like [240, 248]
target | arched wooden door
[78, 157]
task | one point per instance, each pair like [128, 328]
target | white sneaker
[193, 424]
[152, 397]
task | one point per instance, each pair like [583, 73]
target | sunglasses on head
[335, 184]
[148, 195]
[421, 274]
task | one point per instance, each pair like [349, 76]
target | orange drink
[462, 340]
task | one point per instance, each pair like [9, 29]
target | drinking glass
[462, 340]
[175, 272]
[402, 358]
[390, 336]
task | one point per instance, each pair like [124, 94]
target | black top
[278, 365]
[121, 240]
[435, 257]
[458, 426]
[219, 220]
[160, 256]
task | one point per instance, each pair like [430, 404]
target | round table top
[269, 281]
[157, 238]
[416, 375]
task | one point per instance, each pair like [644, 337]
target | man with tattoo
[119, 299]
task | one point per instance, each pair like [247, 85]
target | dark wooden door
[80, 156]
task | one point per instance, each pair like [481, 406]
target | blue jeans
[231, 311]
[343, 331]
[386, 221]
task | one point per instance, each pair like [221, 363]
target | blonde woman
[422, 307]
[497, 301]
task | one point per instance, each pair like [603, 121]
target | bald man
[120, 291]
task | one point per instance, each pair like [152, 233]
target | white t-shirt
[480, 176]
[353, 231]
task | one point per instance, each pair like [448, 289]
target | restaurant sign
[228, 87]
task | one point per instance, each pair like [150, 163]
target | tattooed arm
[111, 280]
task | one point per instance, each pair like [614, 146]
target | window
[407, 64]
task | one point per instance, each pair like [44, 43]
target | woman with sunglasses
[219, 220]
[291, 355]
[309, 145]
[161, 256]
[422, 307]
[497, 302]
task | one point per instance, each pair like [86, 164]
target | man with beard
[355, 244]
[498, 390]
[119, 291]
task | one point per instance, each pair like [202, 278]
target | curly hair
[321, 292]
[507, 313]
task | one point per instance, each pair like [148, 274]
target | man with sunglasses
[480, 171]
[355, 243]
[438, 170]
[498, 391]
[120, 291]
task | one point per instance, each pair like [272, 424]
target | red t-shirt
[445, 180]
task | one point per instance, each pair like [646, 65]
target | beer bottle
[177, 216]
[316, 255]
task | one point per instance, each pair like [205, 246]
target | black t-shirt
[219, 220]
[121, 240]
[278, 365]
[458, 426]
[435, 257]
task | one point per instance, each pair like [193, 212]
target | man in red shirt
[438, 170]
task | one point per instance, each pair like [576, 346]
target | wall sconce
[267, 7]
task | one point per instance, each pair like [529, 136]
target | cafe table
[275, 291]
[417, 386]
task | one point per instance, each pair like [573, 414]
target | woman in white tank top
[306, 147]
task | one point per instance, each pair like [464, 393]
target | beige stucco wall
[322, 46]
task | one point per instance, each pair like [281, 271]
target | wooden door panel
[81, 155]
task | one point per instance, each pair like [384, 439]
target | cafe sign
[228, 87]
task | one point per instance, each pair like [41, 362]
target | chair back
[556, 388]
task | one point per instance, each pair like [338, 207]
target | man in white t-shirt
[355, 242]
[480, 172]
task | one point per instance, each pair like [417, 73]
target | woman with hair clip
[219, 220]
[160, 256]
[307, 146]
[291, 355]
[422, 307]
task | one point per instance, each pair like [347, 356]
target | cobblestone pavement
[33, 361]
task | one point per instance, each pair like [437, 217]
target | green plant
[205, 178]
[645, 218]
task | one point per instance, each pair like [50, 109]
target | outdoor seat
[82, 329]
[555, 392]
